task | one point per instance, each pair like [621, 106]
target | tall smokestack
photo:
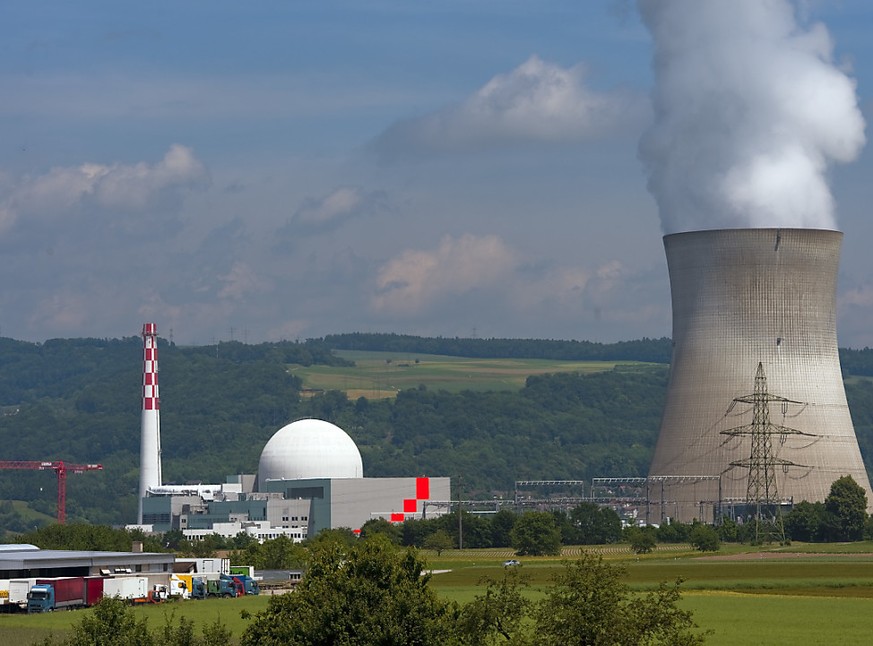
[150, 447]
[743, 297]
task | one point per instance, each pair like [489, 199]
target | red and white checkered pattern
[150, 398]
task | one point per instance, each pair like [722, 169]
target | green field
[742, 596]
[382, 374]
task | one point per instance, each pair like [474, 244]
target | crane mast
[60, 468]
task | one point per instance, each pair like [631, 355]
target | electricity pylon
[762, 493]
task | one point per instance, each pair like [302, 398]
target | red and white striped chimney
[150, 447]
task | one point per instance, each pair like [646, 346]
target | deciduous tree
[370, 593]
[846, 506]
[589, 605]
[704, 538]
[642, 539]
[536, 533]
[439, 541]
[595, 525]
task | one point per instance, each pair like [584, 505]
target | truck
[181, 585]
[248, 570]
[198, 587]
[126, 587]
[224, 586]
[47, 595]
[158, 594]
[16, 594]
[249, 585]
[206, 565]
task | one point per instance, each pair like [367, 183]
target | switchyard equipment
[657, 499]
[540, 500]
[61, 469]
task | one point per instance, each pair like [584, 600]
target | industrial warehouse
[38, 580]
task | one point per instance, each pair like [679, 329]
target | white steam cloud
[750, 110]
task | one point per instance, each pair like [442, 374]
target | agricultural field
[380, 375]
[788, 596]
[772, 597]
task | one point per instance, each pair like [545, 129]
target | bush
[705, 538]
[536, 534]
[641, 539]
[114, 623]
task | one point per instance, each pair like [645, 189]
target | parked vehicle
[158, 594]
[47, 595]
[247, 570]
[126, 587]
[249, 585]
[206, 565]
[224, 586]
[181, 585]
[16, 594]
[198, 587]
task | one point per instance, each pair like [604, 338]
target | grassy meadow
[770, 597]
[379, 375]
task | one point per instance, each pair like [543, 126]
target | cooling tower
[744, 297]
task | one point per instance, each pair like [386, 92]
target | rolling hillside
[490, 420]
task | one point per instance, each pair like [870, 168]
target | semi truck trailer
[47, 595]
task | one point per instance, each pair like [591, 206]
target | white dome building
[309, 448]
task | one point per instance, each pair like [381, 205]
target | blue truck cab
[41, 598]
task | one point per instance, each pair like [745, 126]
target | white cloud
[60, 311]
[240, 281]
[330, 211]
[136, 187]
[111, 188]
[536, 102]
[479, 281]
[416, 280]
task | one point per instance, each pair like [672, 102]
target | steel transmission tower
[762, 493]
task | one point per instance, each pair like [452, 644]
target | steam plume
[750, 110]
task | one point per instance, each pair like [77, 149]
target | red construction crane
[60, 468]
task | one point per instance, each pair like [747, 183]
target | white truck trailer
[126, 587]
[18, 591]
[207, 566]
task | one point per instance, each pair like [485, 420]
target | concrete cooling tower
[754, 347]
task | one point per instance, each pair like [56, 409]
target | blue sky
[282, 170]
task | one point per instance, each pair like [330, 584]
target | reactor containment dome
[310, 448]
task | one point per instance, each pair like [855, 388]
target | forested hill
[650, 350]
[79, 400]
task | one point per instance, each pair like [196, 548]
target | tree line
[841, 517]
[79, 400]
[650, 350]
[372, 592]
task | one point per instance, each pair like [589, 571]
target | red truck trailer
[93, 589]
[52, 594]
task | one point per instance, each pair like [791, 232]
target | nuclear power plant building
[310, 477]
[756, 408]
